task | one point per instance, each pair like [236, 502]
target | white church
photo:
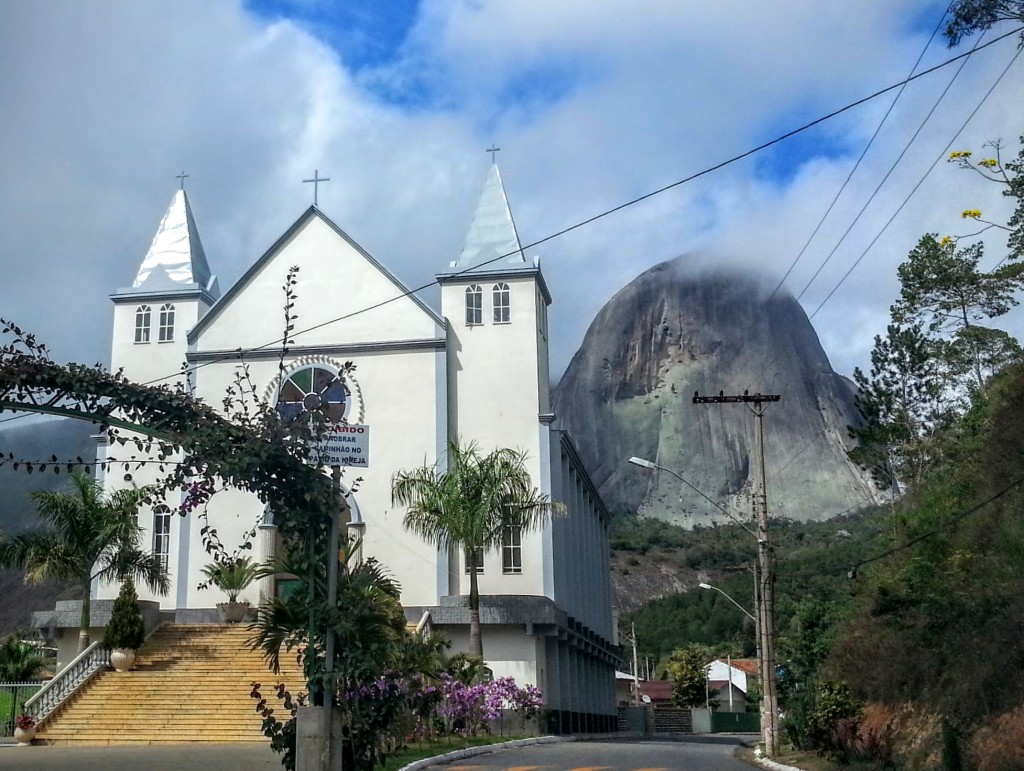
[477, 370]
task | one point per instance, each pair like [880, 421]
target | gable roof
[310, 213]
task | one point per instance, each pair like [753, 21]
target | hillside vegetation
[814, 560]
[34, 442]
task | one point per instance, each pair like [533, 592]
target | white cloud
[104, 103]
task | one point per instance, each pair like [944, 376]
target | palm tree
[90, 536]
[471, 505]
[19, 661]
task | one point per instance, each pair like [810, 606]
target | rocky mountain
[33, 441]
[671, 332]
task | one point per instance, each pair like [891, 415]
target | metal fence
[735, 722]
[12, 700]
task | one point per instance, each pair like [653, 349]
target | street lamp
[746, 612]
[765, 605]
[643, 463]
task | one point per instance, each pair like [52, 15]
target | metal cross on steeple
[493, 150]
[317, 179]
[182, 178]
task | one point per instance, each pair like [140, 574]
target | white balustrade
[87, 663]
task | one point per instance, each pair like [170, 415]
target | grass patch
[419, 751]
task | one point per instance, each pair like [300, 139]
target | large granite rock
[629, 391]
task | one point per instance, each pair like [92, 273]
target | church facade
[401, 380]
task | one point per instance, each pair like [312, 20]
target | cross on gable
[316, 180]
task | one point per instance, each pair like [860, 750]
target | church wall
[508, 651]
[400, 393]
[421, 382]
[116, 477]
[495, 387]
[582, 581]
[154, 360]
[334, 279]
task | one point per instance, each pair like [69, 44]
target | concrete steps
[191, 683]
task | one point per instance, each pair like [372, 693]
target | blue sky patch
[365, 34]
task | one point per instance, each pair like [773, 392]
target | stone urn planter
[24, 730]
[231, 576]
[233, 612]
[122, 659]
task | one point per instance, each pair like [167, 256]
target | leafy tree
[944, 288]
[91, 537]
[803, 651]
[901, 402]
[1008, 174]
[470, 505]
[19, 661]
[369, 629]
[687, 668]
[969, 16]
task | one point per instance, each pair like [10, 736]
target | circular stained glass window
[314, 389]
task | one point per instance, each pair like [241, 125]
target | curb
[482, 750]
[771, 764]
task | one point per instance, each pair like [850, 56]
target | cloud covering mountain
[593, 104]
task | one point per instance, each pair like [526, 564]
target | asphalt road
[712, 753]
[172, 757]
[695, 754]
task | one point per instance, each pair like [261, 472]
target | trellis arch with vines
[196, 447]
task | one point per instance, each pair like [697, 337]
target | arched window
[474, 304]
[142, 314]
[512, 551]
[162, 534]
[166, 323]
[316, 388]
[501, 303]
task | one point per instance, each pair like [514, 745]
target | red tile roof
[744, 665]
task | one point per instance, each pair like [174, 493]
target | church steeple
[176, 259]
[492, 243]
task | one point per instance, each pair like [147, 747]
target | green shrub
[832, 721]
[125, 629]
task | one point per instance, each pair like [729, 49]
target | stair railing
[64, 685]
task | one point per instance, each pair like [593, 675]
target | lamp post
[746, 612]
[765, 607]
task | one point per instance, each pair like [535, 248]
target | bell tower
[172, 290]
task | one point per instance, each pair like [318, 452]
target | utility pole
[636, 672]
[765, 580]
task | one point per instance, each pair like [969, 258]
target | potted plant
[232, 577]
[24, 729]
[125, 633]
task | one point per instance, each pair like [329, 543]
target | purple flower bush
[467, 709]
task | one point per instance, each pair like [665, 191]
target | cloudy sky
[592, 104]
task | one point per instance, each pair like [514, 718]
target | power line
[722, 164]
[918, 185]
[906, 200]
[878, 187]
[620, 207]
[864, 152]
[953, 522]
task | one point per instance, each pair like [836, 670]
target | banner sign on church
[344, 444]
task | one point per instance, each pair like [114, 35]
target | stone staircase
[190, 684]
